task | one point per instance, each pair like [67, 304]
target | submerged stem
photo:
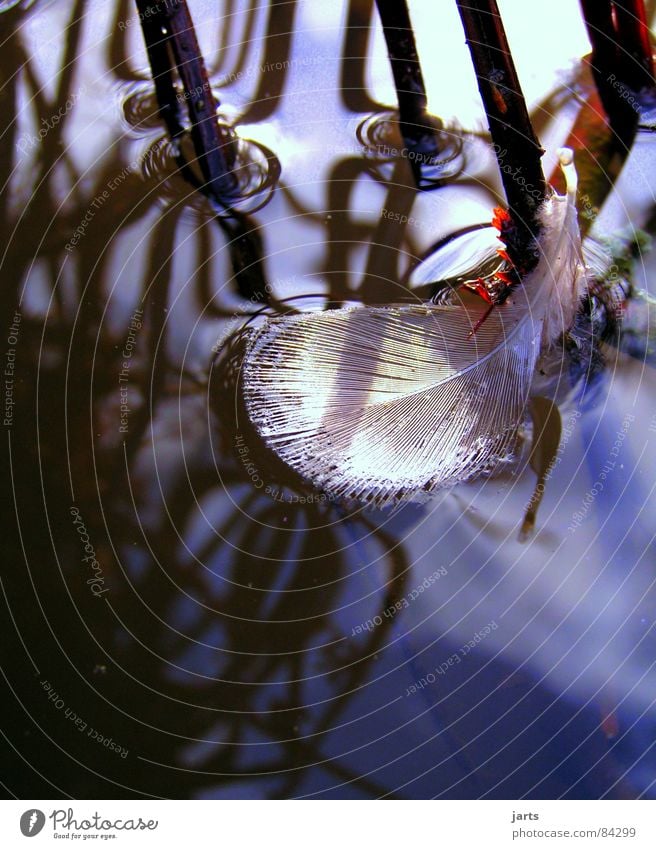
[419, 131]
[171, 40]
[163, 77]
[515, 143]
[633, 36]
[621, 59]
[599, 23]
[169, 34]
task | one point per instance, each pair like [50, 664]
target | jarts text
[518, 816]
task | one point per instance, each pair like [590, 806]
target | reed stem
[621, 59]
[516, 146]
[169, 34]
[637, 68]
[419, 131]
[171, 40]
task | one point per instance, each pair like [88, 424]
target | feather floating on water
[379, 404]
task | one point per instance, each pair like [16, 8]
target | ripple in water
[256, 172]
[383, 144]
[139, 108]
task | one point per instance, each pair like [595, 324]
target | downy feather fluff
[385, 403]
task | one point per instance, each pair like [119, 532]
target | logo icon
[32, 822]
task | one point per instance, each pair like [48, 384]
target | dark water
[230, 632]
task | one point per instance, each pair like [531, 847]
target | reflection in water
[171, 593]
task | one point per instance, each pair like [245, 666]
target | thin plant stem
[171, 41]
[637, 66]
[406, 69]
[621, 59]
[163, 77]
[516, 146]
[169, 34]
[600, 26]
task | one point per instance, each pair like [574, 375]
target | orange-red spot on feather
[500, 218]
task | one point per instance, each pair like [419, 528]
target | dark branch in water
[419, 131]
[598, 15]
[163, 77]
[637, 68]
[515, 143]
[170, 28]
[621, 59]
[171, 43]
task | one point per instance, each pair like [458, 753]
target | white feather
[383, 403]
